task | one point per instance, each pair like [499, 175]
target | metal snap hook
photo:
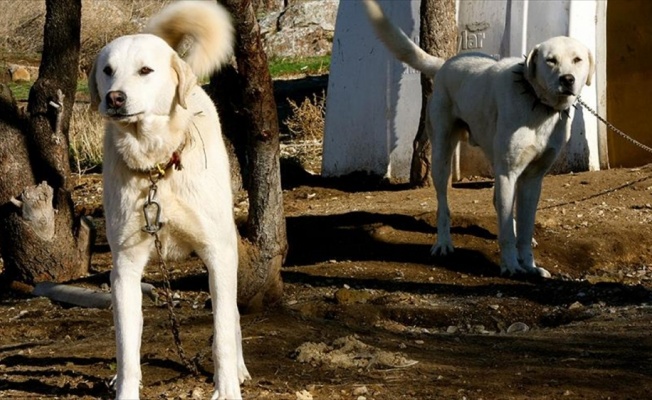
[152, 208]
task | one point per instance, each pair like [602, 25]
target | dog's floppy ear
[531, 64]
[187, 79]
[589, 77]
[92, 87]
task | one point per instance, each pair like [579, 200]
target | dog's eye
[551, 61]
[145, 71]
[577, 60]
[108, 70]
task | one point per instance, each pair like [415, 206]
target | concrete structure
[373, 103]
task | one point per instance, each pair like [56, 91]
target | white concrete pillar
[374, 101]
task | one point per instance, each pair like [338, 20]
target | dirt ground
[368, 314]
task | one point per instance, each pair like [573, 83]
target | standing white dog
[519, 112]
[166, 176]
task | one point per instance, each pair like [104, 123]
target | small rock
[518, 327]
[452, 329]
[350, 296]
[575, 306]
[304, 395]
[197, 393]
[19, 74]
[359, 391]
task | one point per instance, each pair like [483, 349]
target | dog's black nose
[567, 81]
[116, 99]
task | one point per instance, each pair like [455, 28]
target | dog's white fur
[518, 111]
[163, 107]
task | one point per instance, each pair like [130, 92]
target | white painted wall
[373, 104]
[374, 101]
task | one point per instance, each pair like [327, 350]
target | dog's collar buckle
[158, 171]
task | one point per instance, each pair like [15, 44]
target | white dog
[166, 176]
[518, 111]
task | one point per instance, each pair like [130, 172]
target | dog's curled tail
[199, 30]
[399, 43]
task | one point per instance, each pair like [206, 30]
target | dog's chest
[538, 147]
[552, 130]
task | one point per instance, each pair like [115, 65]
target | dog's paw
[227, 384]
[541, 272]
[441, 249]
[243, 373]
[227, 394]
[518, 270]
[511, 270]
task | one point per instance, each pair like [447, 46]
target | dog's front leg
[222, 263]
[504, 198]
[128, 319]
[527, 198]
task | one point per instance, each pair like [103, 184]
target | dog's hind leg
[128, 316]
[444, 140]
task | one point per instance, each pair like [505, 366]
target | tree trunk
[40, 238]
[438, 36]
[245, 99]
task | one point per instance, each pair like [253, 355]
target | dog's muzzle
[115, 102]
[567, 83]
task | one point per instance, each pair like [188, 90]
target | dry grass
[86, 135]
[105, 20]
[307, 119]
[21, 26]
[21, 29]
[306, 126]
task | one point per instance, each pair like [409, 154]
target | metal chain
[190, 364]
[152, 226]
[613, 128]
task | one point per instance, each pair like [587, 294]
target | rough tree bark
[267, 6]
[438, 36]
[40, 238]
[245, 99]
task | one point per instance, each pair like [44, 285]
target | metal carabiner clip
[154, 226]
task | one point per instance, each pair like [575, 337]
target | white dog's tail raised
[399, 43]
[199, 30]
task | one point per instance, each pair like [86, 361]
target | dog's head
[138, 76]
[558, 69]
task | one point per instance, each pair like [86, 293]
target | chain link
[613, 128]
